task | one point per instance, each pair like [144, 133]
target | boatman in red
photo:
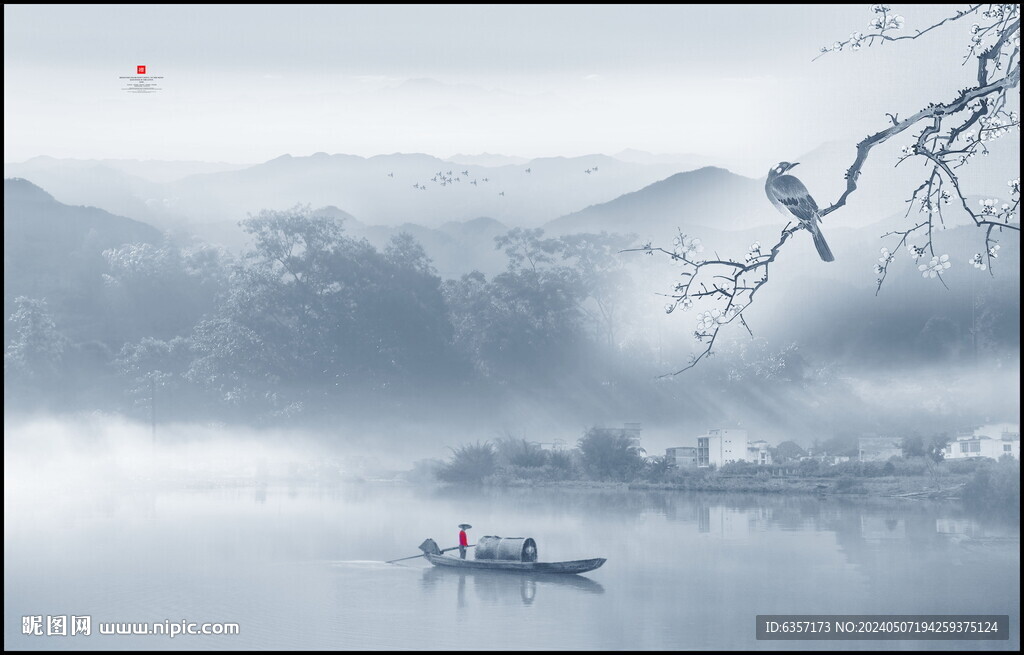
[463, 539]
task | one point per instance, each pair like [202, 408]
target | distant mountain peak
[332, 211]
[24, 191]
[710, 197]
[705, 171]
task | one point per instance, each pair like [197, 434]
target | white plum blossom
[988, 206]
[993, 128]
[1014, 186]
[690, 246]
[687, 303]
[907, 150]
[935, 267]
[669, 307]
[710, 320]
[887, 23]
[997, 11]
[856, 41]
[706, 321]
[915, 251]
[993, 252]
[754, 251]
[978, 262]
[880, 8]
[886, 256]
[945, 197]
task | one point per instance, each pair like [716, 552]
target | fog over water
[301, 565]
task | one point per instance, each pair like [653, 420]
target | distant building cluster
[718, 447]
[978, 442]
[727, 446]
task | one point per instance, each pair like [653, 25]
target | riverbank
[603, 461]
[950, 487]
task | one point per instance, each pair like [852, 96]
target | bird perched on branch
[791, 198]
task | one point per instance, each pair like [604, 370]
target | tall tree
[601, 276]
[35, 348]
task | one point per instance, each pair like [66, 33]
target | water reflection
[302, 567]
[501, 587]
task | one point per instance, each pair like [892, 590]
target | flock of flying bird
[444, 178]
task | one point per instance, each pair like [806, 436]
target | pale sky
[247, 84]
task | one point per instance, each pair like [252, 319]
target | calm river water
[302, 567]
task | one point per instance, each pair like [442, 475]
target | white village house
[984, 443]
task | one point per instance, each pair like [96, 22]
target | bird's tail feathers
[819, 242]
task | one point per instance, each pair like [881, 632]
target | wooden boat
[510, 554]
[574, 566]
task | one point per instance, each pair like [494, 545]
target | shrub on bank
[469, 463]
[520, 453]
[848, 485]
[995, 487]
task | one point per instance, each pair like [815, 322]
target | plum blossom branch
[885, 23]
[729, 285]
[947, 135]
[978, 116]
[986, 101]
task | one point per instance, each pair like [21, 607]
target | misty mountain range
[53, 247]
[54, 251]
[633, 191]
[380, 190]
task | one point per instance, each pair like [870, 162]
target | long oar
[392, 561]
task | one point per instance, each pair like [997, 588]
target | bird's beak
[794, 165]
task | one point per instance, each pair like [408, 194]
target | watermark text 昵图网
[72, 625]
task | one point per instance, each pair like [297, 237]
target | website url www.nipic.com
[73, 626]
